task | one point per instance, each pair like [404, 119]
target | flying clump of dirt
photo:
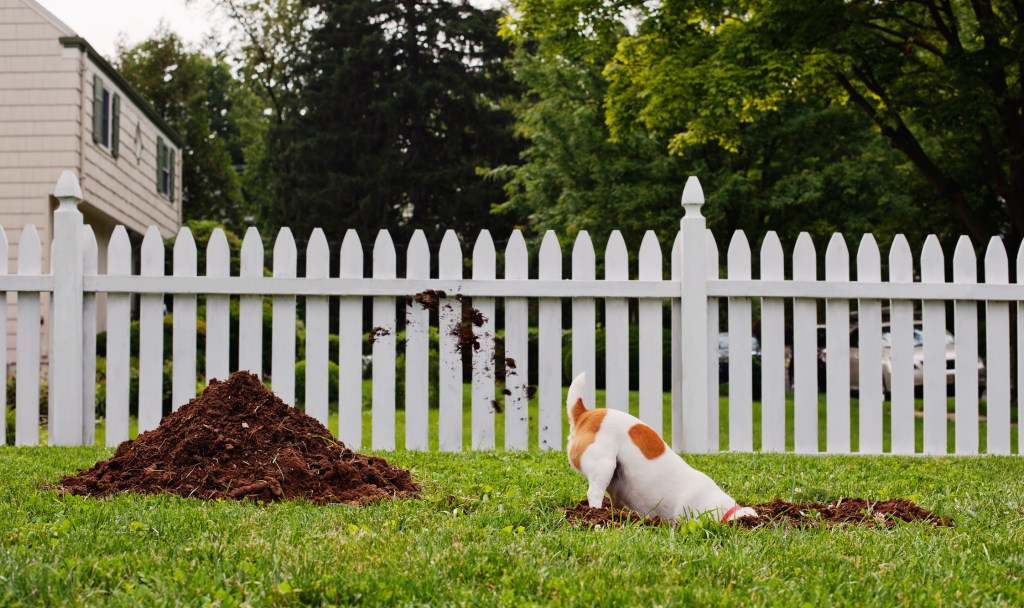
[843, 511]
[240, 441]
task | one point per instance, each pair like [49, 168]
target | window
[164, 168]
[106, 117]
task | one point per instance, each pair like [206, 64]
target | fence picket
[741, 428]
[901, 383]
[3, 351]
[997, 353]
[383, 341]
[713, 339]
[965, 330]
[651, 338]
[483, 403]
[837, 347]
[516, 362]
[90, 267]
[417, 350]
[616, 328]
[549, 349]
[869, 350]
[450, 355]
[805, 351]
[26, 417]
[317, 380]
[676, 373]
[350, 347]
[151, 335]
[1020, 359]
[250, 307]
[282, 354]
[584, 318]
[933, 327]
[773, 350]
[119, 263]
[218, 309]
[183, 337]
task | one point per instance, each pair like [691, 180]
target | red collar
[729, 513]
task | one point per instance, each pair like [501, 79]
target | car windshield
[918, 337]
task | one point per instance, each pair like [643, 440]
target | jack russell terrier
[618, 453]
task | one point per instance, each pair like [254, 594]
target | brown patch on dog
[584, 430]
[645, 438]
[578, 409]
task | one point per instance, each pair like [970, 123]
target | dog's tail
[574, 401]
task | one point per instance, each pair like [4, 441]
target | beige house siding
[46, 106]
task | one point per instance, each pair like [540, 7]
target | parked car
[723, 354]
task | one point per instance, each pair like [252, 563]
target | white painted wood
[901, 270]
[516, 348]
[151, 336]
[805, 351]
[350, 347]
[417, 350]
[218, 309]
[584, 317]
[869, 347]
[997, 353]
[450, 373]
[651, 338]
[250, 307]
[383, 338]
[837, 345]
[696, 436]
[965, 331]
[483, 402]
[714, 331]
[773, 351]
[65, 363]
[282, 354]
[119, 263]
[90, 266]
[3, 351]
[318, 265]
[26, 422]
[1020, 353]
[741, 427]
[676, 349]
[933, 327]
[183, 336]
[549, 351]
[616, 327]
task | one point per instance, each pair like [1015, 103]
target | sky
[102, 21]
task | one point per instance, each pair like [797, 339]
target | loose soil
[852, 511]
[240, 441]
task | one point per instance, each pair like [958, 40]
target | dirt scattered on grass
[240, 441]
[842, 511]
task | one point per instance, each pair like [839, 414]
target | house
[63, 106]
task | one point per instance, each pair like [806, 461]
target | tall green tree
[195, 94]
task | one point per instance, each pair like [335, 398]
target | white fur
[665, 486]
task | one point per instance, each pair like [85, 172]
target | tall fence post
[694, 303]
[66, 358]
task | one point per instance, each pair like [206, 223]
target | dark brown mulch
[853, 511]
[240, 441]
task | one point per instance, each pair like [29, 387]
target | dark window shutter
[97, 109]
[170, 181]
[115, 126]
[161, 153]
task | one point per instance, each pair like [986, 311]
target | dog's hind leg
[599, 468]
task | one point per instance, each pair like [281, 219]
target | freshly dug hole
[853, 511]
[240, 441]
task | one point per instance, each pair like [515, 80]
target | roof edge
[113, 74]
[53, 19]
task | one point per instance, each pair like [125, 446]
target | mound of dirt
[240, 441]
[853, 511]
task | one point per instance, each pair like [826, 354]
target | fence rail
[876, 337]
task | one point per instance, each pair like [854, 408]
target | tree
[939, 80]
[195, 94]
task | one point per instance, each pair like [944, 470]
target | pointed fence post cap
[693, 197]
[68, 189]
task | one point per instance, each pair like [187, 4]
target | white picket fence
[693, 291]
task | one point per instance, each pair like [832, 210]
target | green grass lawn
[487, 532]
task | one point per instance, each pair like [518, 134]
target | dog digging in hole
[619, 454]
